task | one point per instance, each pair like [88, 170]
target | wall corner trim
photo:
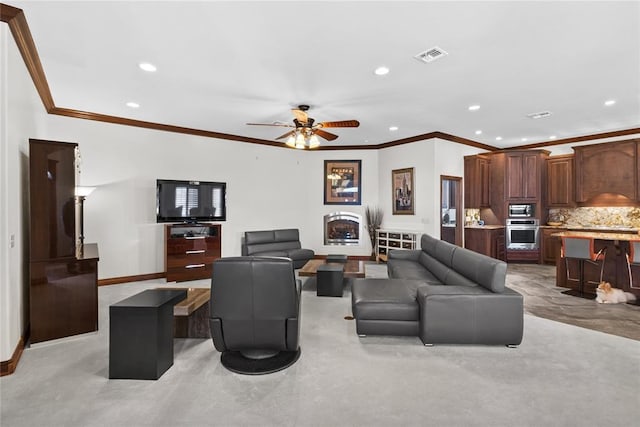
[8, 367]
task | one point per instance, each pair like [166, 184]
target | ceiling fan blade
[340, 124]
[291, 132]
[271, 124]
[300, 115]
[326, 135]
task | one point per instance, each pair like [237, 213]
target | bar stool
[633, 259]
[581, 249]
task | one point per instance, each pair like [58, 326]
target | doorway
[451, 209]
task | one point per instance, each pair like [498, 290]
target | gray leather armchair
[255, 311]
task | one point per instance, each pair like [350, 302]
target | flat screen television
[190, 201]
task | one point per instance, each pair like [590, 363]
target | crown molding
[17, 22]
[86, 115]
[591, 137]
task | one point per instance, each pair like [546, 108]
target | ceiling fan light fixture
[291, 141]
[300, 141]
[314, 142]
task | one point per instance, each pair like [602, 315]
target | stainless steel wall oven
[523, 234]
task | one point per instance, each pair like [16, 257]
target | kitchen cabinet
[550, 246]
[487, 240]
[477, 182]
[615, 266]
[524, 175]
[516, 176]
[560, 182]
[607, 174]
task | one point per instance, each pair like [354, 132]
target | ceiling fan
[306, 130]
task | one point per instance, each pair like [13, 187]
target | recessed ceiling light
[478, 132]
[609, 102]
[393, 128]
[381, 71]
[147, 67]
[552, 137]
[524, 139]
[474, 107]
[133, 105]
[498, 138]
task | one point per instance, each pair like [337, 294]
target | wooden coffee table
[352, 268]
[191, 315]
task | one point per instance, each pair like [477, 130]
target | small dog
[606, 294]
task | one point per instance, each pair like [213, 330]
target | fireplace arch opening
[342, 228]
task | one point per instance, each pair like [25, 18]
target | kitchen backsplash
[583, 217]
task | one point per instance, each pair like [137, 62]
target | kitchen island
[615, 266]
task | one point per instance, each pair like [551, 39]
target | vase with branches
[374, 220]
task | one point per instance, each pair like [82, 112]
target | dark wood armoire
[63, 293]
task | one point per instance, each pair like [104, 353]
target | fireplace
[342, 228]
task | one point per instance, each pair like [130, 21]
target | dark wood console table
[190, 250]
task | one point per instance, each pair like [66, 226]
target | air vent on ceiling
[431, 55]
[539, 115]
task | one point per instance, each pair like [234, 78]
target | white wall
[430, 159]
[266, 188]
[19, 109]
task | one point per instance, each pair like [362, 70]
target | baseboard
[350, 257]
[8, 367]
[127, 279]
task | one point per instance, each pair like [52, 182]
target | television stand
[190, 249]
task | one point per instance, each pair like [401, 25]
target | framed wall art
[342, 182]
[402, 186]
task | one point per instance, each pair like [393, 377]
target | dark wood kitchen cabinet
[517, 176]
[560, 182]
[477, 182]
[524, 175]
[485, 240]
[550, 246]
[607, 174]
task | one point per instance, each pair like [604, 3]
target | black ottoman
[329, 280]
[339, 258]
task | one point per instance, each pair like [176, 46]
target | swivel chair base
[258, 363]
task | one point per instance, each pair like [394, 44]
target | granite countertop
[485, 227]
[595, 228]
[600, 235]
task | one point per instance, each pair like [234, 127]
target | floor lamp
[81, 194]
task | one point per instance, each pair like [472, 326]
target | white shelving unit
[394, 239]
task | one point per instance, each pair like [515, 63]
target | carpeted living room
[319, 213]
[343, 379]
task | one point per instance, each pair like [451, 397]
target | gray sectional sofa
[280, 243]
[442, 293]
